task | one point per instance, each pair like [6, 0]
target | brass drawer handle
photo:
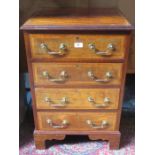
[62, 103]
[104, 124]
[64, 124]
[62, 77]
[62, 49]
[106, 102]
[108, 77]
[107, 52]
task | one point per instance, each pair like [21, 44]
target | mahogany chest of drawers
[77, 61]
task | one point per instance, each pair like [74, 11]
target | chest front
[77, 67]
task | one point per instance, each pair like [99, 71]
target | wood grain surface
[77, 73]
[81, 19]
[53, 41]
[77, 98]
[69, 26]
[77, 121]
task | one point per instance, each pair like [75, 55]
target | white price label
[78, 45]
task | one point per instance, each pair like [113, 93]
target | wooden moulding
[112, 136]
[109, 19]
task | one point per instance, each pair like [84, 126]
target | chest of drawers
[77, 65]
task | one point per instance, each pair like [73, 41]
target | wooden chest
[77, 61]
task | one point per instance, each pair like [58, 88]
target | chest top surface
[77, 19]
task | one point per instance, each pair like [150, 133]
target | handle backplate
[62, 102]
[62, 77]
[106, 102]
[108, 77]
[104, 124]
[61, 51]
[64, 124]
[107, 52]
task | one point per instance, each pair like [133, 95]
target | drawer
[78, 74]
[77, 121]
[56, 98]
[77, 47]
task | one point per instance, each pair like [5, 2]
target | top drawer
[77, 47]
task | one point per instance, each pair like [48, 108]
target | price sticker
[78, 45]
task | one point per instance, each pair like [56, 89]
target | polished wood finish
[41, 136]
[131, 59]
[77, 121]
[77, 73]
[77, 98]
[77, 19]
[57, 118]
[53, 28]
[73, 53]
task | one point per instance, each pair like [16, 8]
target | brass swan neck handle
[61, 51]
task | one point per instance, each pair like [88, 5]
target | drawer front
[57, 120]
[97, 121]
[79, 74]
[66, 47]
[55, 98]
[77, 121]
